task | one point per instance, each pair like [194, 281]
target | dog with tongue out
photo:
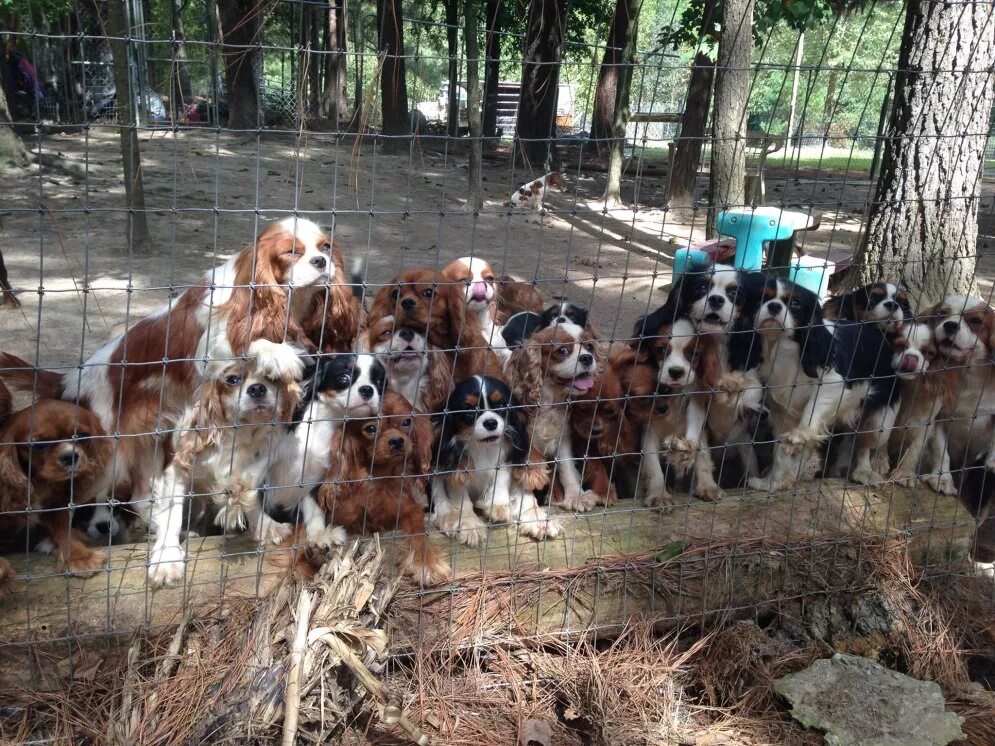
[552, 365]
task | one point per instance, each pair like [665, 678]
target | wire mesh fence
[628, 369]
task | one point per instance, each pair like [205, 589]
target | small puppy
[522, 326]
[484, 461]
[378, 483]
[558, 362]
[421, 373]
[532, 194]
[342, 386]
[479, 294]
[882, 303]
[52, 456]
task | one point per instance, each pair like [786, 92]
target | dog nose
[319, 262]
[256, 391]
[951, 327]
[366, 392]
[774, 307]
[396, 444]
[675, 372]
[105, 528]
[586, 359]
[407, 335]
[408, 303]
[69, 460]
[890, 305]
[716, 301]
[490, 424]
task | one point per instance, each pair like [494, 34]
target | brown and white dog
[883, 303]
[421, 373]
[286, 287]
[554, 364]
[532, 194]
[964, 337]
[52, 455]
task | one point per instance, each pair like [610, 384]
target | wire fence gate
[365, 369]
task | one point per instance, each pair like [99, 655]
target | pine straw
[222, 673]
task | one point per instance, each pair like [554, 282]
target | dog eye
[38, 446]
[563, 351]
[233, 380]
[974, 322]
[394, 293]
[428, 292]
[731, 293]
[489, 278]
[344, 380]
[406, 423]
[370, 429]
[325, 247]
[795, 304]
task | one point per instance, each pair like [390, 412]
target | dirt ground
[65, 237]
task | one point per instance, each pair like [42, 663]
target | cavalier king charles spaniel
[883, 303]
[556, 363]
[422, 374]
[484, 461]
[52, 456]
[222, 449]
[378, 482]
[287, 287]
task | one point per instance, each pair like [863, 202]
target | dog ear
[451, 453]
[422, 436]
[518, 432]
[525, 371]
[206, 425]
[709, 365]
[817, 345]
[440, 379]
[840, 307]
[13, 480]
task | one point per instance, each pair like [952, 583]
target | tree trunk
[313, 15]
[691, 141]
[131, 156]
[358, 91]
[334, 103]
[12, 150]
[829, 105]
[476, 195]
[622, 75]
[732, 89]
[492, 70]
[393, 81]
[180, 93]
[239, 34]
[923, 222]
[452, 46]
[606, 93]
[536, 126]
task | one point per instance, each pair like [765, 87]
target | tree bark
[476, 190]
[180, 93]
[732, 90]
[923, 222]
[536, 125]
[492, 69]
[131, 156]
[334, 102]
[606, 93]
[12, 150]
[239, 33]
[393, 81]
[622, 74]
[313, 15]
[452, 46]
[691, 140]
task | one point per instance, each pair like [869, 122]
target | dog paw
[268, 531]
[761, 484]
[942, 483]
[611, 498]
[732, 384]
[468, 529]
[45, 546]
[498, 512]
[276, 360]
[431, 568]
[708, 491]
[166, 566]
[6, 577]
[797, 440]
[902, 479]
[85, 564]
[679, 452]
[657, 496]
[535, 524]
[866, 476]
[330, 537]
[580, 502]
[230, 519]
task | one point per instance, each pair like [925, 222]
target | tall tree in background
[452, 46]
[239, 33]
[492, 69]
[333, 99]
[180, 93]
[613, 67]
[131, 155]
[476, 191]
[923, 223]
[732, 92]
[393, 82]
[12, 150]
[691, 139]
[536, 126]
[622, 80]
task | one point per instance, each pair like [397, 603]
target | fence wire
[551, 384]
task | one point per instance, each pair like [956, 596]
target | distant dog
[532, 194]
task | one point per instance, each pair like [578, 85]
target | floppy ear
[13, 481]
[333, 322]
[207, 423]
[817, 346]
[422, 436]
[709, 366]
[525, 371]
[839, 307]
[518, 435]
[440, 380]
[451, 453]
[902, 299]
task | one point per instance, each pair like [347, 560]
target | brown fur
[45, 384]
[375, 487]
[5, 404]
[529, 365]
[334, 319]
[50, 488]
[514, 297]
[437, 369]
[424, 300]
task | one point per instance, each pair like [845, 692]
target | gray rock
[858, 702]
